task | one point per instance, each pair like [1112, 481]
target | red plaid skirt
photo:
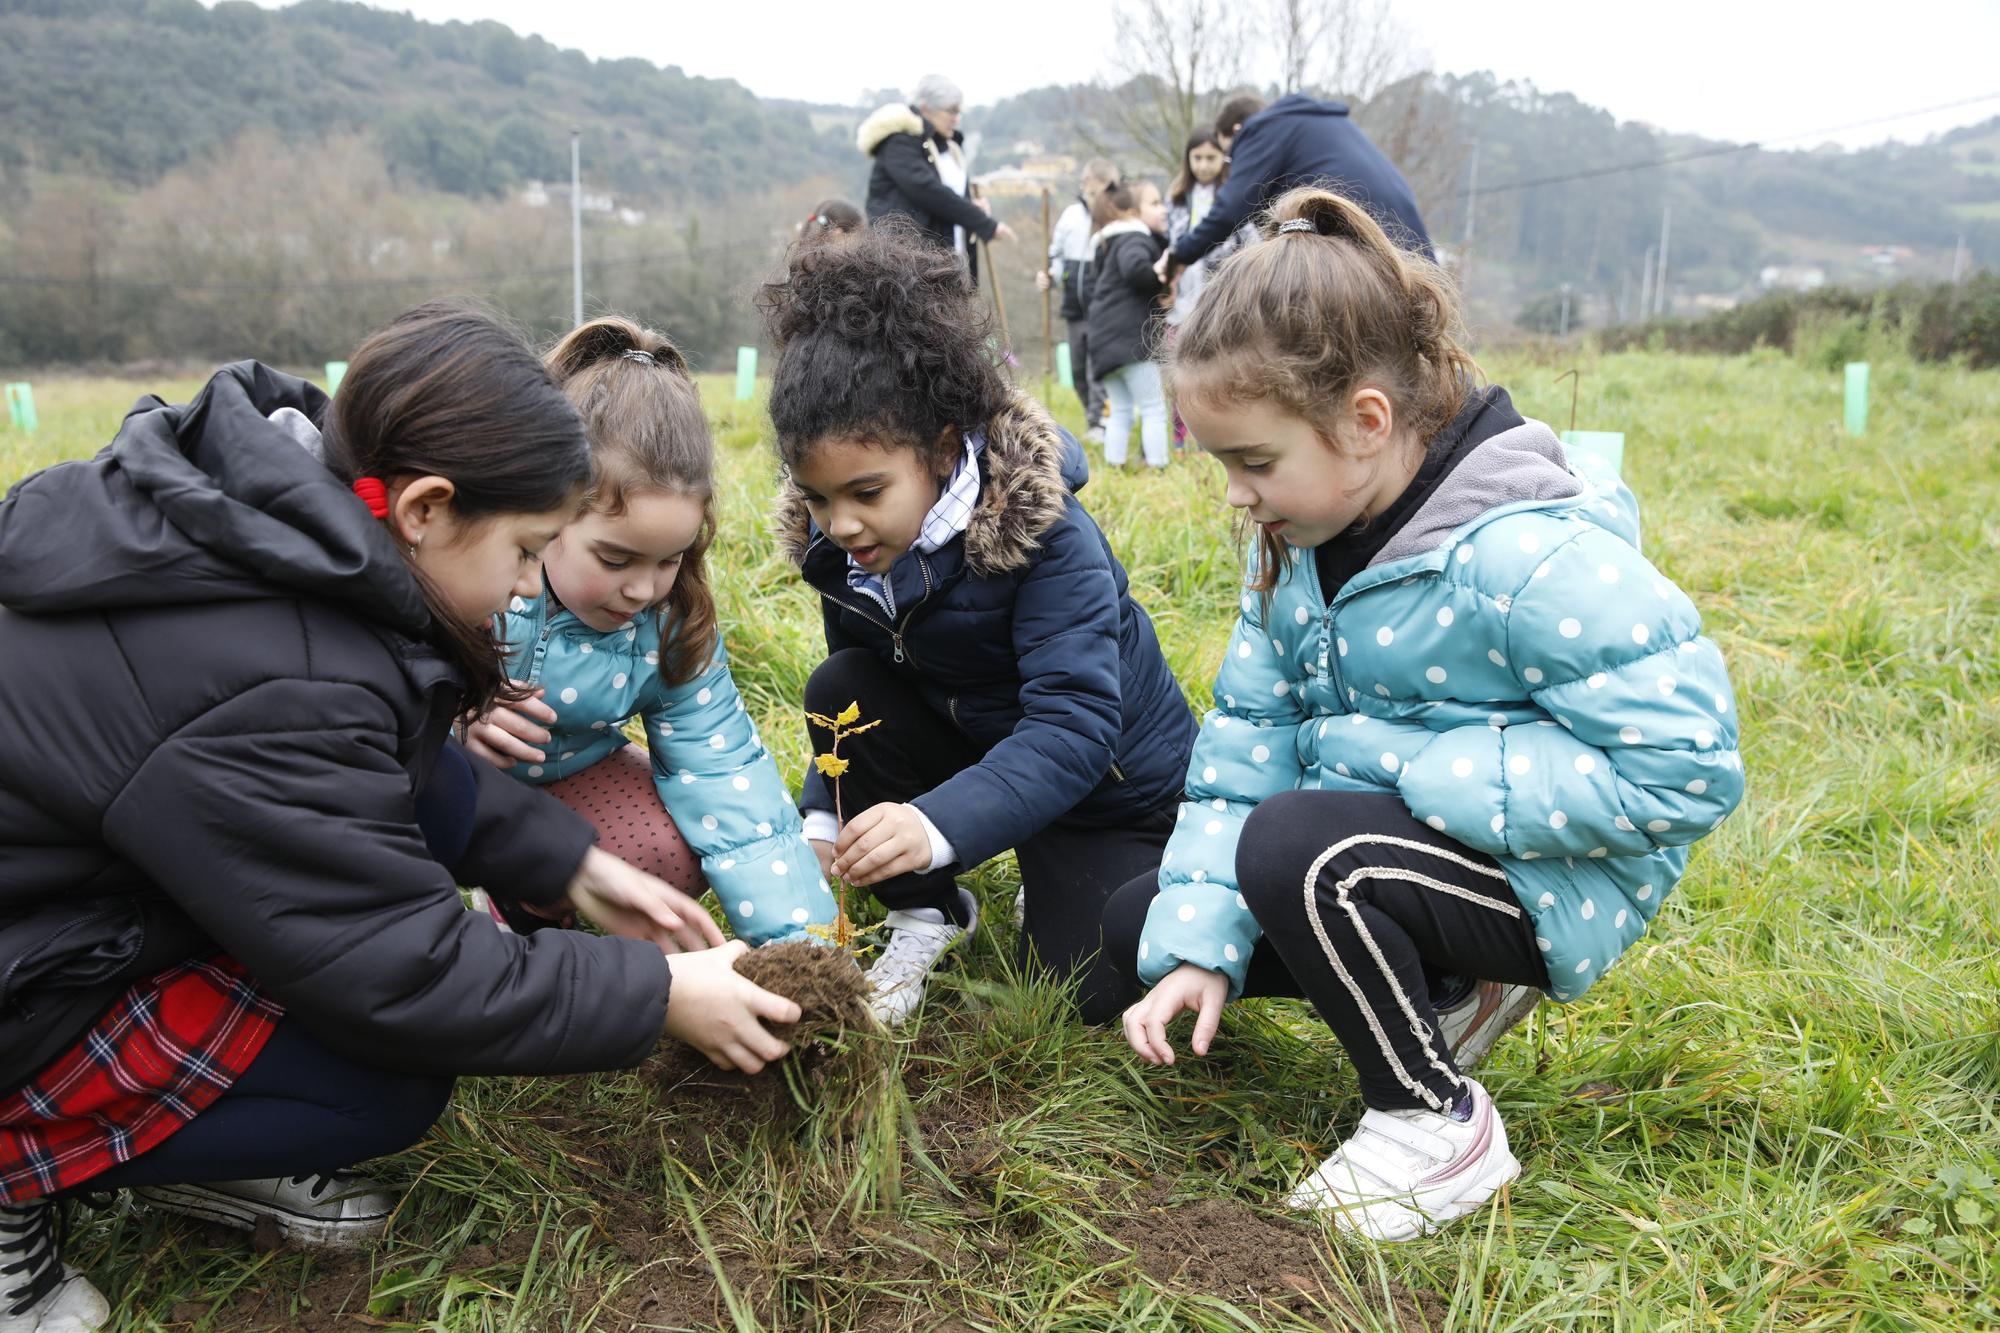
[155, 1060]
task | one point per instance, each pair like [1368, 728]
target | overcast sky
[1739, 70]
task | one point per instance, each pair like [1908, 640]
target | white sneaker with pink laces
[1406, 1173]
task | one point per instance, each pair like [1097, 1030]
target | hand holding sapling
[882, 842]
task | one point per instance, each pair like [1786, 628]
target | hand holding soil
[719, 1012]
[1186, 987]
[627, 901]
[511, 733]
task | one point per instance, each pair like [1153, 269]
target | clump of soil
[1222, 1248]
[837, 1046]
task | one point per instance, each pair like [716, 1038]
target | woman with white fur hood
[920, 169]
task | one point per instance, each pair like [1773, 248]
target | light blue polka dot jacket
[1516, 671]
[712, 771]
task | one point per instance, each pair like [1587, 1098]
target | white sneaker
[1472, 1026]
[39, 1293]
[918, 941]
[336, 1211]
[1405, 1173]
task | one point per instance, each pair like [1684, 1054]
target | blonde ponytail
[647, 430]
[1326, 303]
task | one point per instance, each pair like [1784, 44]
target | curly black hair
[878, 339]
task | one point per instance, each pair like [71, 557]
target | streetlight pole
[576, 225]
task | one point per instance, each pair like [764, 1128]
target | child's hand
[824, 851]
[880, 843]
[510, 732]
[627, 901]
[1186, 987]
[1042, 280]
[715, 1009]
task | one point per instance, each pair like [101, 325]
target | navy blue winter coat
[1298, 141]
[1023, 635]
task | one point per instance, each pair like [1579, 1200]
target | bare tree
[1170, 56]
[1419, 127]
[1351, 48]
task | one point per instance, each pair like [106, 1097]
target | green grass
[1780, 1111]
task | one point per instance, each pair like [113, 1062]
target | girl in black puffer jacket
[973, 611]
[1126, 313]
[232, 956]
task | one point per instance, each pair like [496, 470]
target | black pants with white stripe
[1364, 911]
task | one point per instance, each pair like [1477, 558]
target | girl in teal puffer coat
[1464, 734]
[626, 628]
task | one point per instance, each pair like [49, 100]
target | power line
[1724, 150]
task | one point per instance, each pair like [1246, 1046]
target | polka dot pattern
[1542, 632]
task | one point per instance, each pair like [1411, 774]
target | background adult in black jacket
[231, 649]
[919, 170]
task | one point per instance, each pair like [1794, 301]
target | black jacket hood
[207, 501]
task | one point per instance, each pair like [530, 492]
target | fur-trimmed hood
[896, 118]
[1027, 471]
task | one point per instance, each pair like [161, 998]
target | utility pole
[1562, 321]
[1646, 287]
[1660, 283]
[576, 225]
[1465, 243]
[1958, 261]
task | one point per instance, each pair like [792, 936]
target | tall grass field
[1781, 1110]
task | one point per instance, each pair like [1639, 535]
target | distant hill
[130, 89]
[1550, 212]
[393, 150]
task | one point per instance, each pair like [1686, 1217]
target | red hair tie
[373, 494]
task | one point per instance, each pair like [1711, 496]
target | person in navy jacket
[1298, 140]
[973, 610]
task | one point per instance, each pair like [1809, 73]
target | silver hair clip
[644, 358]
[1298, 224]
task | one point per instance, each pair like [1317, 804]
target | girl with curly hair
[975, 609]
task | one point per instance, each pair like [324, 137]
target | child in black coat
[1125, 312]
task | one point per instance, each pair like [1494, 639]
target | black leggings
[1069, 870]
[1365, 911]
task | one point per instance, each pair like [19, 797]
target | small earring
[413, 550]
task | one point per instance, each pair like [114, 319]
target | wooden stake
[1048, 327]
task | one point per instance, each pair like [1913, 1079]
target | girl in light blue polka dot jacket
[1464, 734]
[625, 627]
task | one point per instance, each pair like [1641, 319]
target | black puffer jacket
[905, 181]
[216, 705]
[1122, 296]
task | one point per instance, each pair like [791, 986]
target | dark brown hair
[447, 391]
[1308, 316]
[1235, 111]
[1114, 201]
[879, 339]
[1184, 181]
[647, 431]
[834, 217]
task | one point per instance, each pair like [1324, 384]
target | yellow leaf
[851, 713]
[829, 764]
